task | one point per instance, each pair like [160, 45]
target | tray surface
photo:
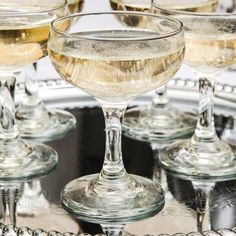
[81, 153]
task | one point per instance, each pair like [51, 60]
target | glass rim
[77, 36]
[56, 7]
[189, 13]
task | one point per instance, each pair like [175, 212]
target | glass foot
[165, 124]
[91, 199]
[193, 160]
[22, 161]
[38, 123]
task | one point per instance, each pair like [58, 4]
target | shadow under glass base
[38, 123]
[25, 160]
[191, 160]
[88, 199]
[166, 124]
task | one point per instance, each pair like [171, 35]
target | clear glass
[202, 191]
[22, 37]
[35, 121]
[159, 120]
[112, 58]
[210, 48]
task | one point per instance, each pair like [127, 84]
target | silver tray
[187, 209]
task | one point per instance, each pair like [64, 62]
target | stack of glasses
[115, 56]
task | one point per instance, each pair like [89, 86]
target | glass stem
[160, 98]
[9, 195]
[205, 129]
[31, 86]
[203, 211]
[156, 177]
[10, 145]
[10, 140]
[32, 112]
[8, 129]
[112, 230]
[113, 167]
[159, 175]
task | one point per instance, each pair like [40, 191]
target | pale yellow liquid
[117, 72]
[210, 53]
[128, 5]
[210, 40]
[185, 5]
[145, 5]
[138, 5]
[19, 47]
[23, 39]
[189, 5]
[75, 5]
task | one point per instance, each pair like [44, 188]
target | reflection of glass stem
[156, 166]
[202, 200]
[113, 230]
[159, 175]
[9, 195]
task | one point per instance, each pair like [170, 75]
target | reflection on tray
[81, 152]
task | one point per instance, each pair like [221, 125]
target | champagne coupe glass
[210, 48]
[115, 62]
[159, 120]
[22, 42]
[32, 116]
[35, 121]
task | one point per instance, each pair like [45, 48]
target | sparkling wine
[189, 5]
[117, 72]
[145, 6]
[128, 5]
[210, 39]
[75, 5]
[210, 53]
[186, 5]
[20, 46]
[23, 39]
